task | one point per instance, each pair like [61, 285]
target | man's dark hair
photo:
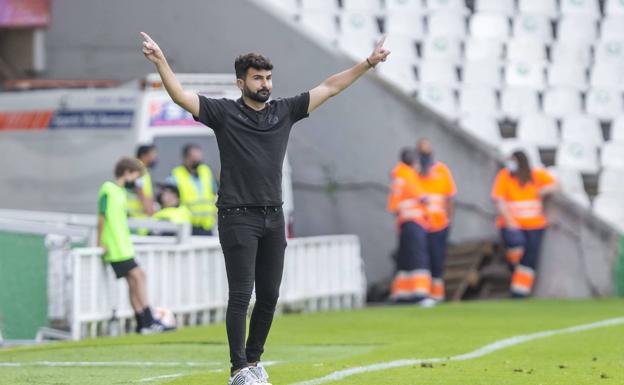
[127, 164]
[186, 150]
[144, 150]
[408, 155]
[251, 60]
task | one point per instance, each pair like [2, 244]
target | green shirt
[115, 233]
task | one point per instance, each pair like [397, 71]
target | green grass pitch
[309, 346]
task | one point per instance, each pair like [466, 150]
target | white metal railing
[190, 280]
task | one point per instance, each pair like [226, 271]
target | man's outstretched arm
[187, 100]
[333, 85]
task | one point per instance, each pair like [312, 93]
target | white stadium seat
[610, 50]
[571, 182]
[442, 48]
[401, 73]
[490, 26]
[504, 7]
[483, 49]
[604, 103]
[533, 26]
[320, 23]
[440, 72]
[582, 128]
[478, 100]
[578, 29]
[526, 49]
[612, 155]
[569, 75]
[561, 102]
[446, 6]
[538, 129]
[484, 127]
[402, 46]
[405, 6]
[608, 75]
[570, 52]
[482, 73]
[362, 5]
[609, 207]
[583, 8]
[612, 27]
[617, 129]
[539, 7]
[611, 180]
[614, 8]
[577, 155]
[408, 24]
[447, 24]
[525, 74]
[357, 47]
[360, 24]
[508, 146]
[439, 98]
[517, 102]
[319, 5]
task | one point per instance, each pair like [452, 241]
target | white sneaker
[260, 372]
[244, 377]
[427, 303]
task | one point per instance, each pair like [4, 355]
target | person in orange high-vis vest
[518, 192]
[439, 188]
[412, 282]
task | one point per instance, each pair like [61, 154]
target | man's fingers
[381, 41]
[147, 37]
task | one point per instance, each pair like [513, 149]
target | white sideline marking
[487, 349]
[163, 377]
[107, 364]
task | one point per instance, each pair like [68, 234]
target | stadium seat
[490, 26]
[570, 75]
[531, 26]
[439, 98]
[402, 46]
[508, 146]
[447, 24]
[611, 180]
[401, 73]
[609, 207]
[612, 155]
[482, 73]
[525, 74]
[356, 47]
[408, 24]
[577, 29]
[571, 52]
[320, 23]
[571, 182]
[504, 7]
[583, 8]
[446, 6]
[526, 49]
[539, 7]
[607, 75]
[319, 5]
[539, 130]
[583, 128]
[360, 24]
[442, 48]
[517, 102]
[610, 50]
[483, 49]
[604, 103]
[617, 129]
[405, 6]
[479, 101]
[614, 8]
[439, 72]
[612, 27]
[484, 127]
[373, 6]
[561, 102]
[577, 155]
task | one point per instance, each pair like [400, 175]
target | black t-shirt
[252, 146]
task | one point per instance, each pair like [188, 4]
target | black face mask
[426, 161]
[195, 165]
[130, 184]
[152, 164]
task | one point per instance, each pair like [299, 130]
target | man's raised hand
[151, 50]
[379, 53]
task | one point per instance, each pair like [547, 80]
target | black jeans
[253, 241]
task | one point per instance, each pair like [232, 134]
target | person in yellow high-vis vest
[171, 210]
[197, 188]
[141, 198]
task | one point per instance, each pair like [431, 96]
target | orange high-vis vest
[523, 202]
[439, 187]
[405, 196]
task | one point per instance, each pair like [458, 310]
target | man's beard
[262, 95]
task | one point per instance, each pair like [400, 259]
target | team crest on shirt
[273, 119]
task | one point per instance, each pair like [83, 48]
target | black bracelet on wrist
[369, 63]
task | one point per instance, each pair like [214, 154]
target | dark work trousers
[201, 231]
[437, 247]
[253, 241]
[412, 248]
[531, 241]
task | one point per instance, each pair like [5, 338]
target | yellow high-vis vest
[203, 207]
[135, 206]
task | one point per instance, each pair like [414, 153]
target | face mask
[152, 164]
[130, 184]
[511, 165]
[426, 161]
[195, 165]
